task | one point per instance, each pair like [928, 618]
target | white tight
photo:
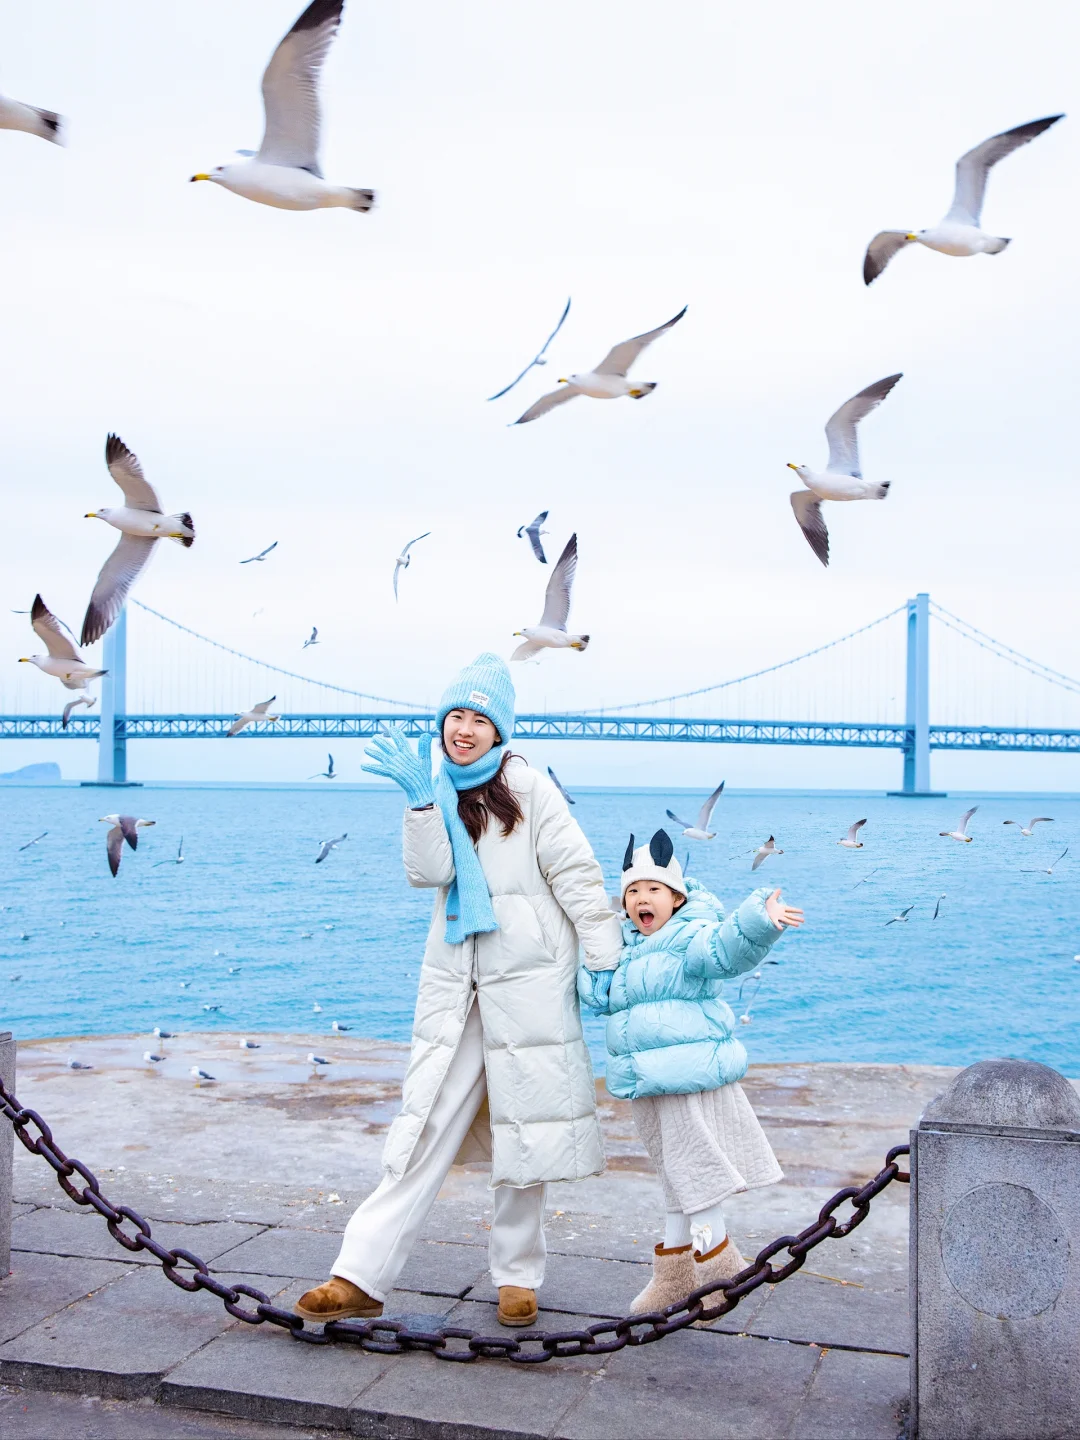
[704, 1229]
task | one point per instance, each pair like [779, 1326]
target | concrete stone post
[7, 1151]
[995, 1257]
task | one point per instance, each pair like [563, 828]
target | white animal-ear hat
[655, 861]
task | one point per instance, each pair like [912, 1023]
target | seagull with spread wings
[329, 773]
[63, 661]
[177, 859]
[1049, 870]
[841, 479]
[326, 847]
[960, 833]
[699, 830]
[313, 638]
[538, 358]
[902, 917]
[609, 381]
[252, 559]
[88, 700]
[252, 716]
[533, 531]
[959, 232]
[1029, 828]
[124, 827]
[142, 524]
[14, 115]
[551, 633]
[285, 172]
[851, 840]
[403, 560]
[762, 853]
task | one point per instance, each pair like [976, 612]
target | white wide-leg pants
[381, 1233]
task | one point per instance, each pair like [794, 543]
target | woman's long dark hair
[494, 798]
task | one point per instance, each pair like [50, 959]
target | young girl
[672, 1051]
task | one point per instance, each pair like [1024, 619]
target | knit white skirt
[705, 1146]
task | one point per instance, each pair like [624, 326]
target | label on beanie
[480, 698]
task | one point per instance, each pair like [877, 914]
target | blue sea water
[82, 953]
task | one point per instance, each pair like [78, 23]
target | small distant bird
[14, 978]
[313, 638]
[24, 936]
[184, 984]
[317, 1059]
[177, 859]
[36, 840]
[307, 935]
[252, 716]
[560, 787]
[852, 842]
[959, 232]
[404, 559]
[46, 124]
[73, 1064]
[841, 479]
[141, 523]
[199, 1074]
[699, 830]
[249, 1045]
[154, 1059]
[609, 380]
[960, 833]
[252, 559]
[63, 660]
[762, 853]
[160, 1034]
[234, 969]
[538, 358]
[937, 907]
[866, 878]
[328, 927]
[325, 847]
[328, 774]
[211, 1007]
[756, 979]
[337, 1025]
[1050, 868]
[533, 531]
[285, 172]
[551, 632]
[317, 1008]
[124, 827]
[901, 917]
[88, 700]
[1030, 826]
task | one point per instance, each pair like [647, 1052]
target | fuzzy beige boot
[337, 1299]
[672, 1279]
[720, 1263]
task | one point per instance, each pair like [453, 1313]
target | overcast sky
[319, 379]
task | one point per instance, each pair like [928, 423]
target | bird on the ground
[160, 1034]
[313, 638]
[1049, 870]
[328, 774]
[896, 919]
[937, 907]
[199, 1074]
[699, 830]
[959, 232]
[609, 379]
[404, 559]
[74, 1064]
[326, 846]
[124, 827]
[142, 523]
[551, 633]
[337, 1025]
[36, 840]
[63, 661]
[88, 700]
[249, 1045]
[284, 172]
[538, 358]
[533, 531]
[252, 559]
[762, 853]
[960, 833]
[313, 1059]
[851, 841]
[14, 115]
[252, 716]
[177, 859]
[211, 1008]
[1030, 826]
[560, 787]
[842, 478]
[154, 1059]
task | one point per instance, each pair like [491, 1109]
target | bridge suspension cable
[1002, 651]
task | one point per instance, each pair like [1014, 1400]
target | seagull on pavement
[248, 1045]
[178, 858]
[141, 523]
[251, 560]
[560, 787]
[533, 531]
[960, 833]
[36, 840]
[88, 700]
[313, 638]
[901, 917]
[551, 633]
[337, 1025]
[199, 1074]
[959, 233]
[252, 716]
[538, 358]
[63, 660]
[852, 841]
[154, 1059]
[328, 774]
[841, 479]
[609, 380]
[1030, 826]
[326, 846]
[14, 115]
[285, 171]
[314, 1059]
[762, 853]
[403, 560]
[160, 1034]
[1050, 868]
[699, 830]
[74, 1064]
[124, 827]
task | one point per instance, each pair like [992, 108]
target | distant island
[44, 774]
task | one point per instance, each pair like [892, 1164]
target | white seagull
[251, 560]
[14, 115]
[959, 233]
[248, 1045]
[937, 907]
[609, 380]
[199, 1074]
[841, 479]
[538, 358]
[560, 787]
[337, 1025]
[762, 853]
[154, 1059]
[285, 172]
[36, 841]
[1030, 826]
[852, 841]
[88, 700]
[313, 1059]
[326, 846]
[551, 633]
[74, 1064]
[960, 833]
[329, 773]
[142, 524]
[63, 660]
[124, 827]
[252, 716]
[402, 562]
[177, 859]
[160, 1034]
[1050, 868]
[699, 830]
[533, 531]
[313, 638]
[896, 919]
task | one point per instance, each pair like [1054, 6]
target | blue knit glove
[391, 757]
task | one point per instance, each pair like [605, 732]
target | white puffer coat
[547, 891]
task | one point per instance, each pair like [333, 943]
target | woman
[499, 1069]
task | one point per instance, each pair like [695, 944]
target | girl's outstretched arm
[741, 941]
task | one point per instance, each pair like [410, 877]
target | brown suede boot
[672, 1279]
[517, 1306]
[720, 1263]
[337, 1299]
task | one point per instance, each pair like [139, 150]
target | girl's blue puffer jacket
[668, 1031]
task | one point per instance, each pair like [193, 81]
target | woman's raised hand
[391, 756]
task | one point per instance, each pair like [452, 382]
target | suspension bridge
[886, 675]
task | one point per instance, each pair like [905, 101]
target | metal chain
[450, 1342]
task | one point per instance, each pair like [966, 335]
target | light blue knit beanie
[486, 687]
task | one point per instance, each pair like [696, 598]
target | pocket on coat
[521, 939]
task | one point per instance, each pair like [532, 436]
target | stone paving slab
[479, 1315]
[807, 1309]
[855, 1397]
[607, 1285]
[40, 1285]
[59, 1232]
[21, 1208]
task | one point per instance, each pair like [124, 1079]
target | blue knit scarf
[468, 905]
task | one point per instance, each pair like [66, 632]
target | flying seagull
[284, 171]
[533, 531]
[841, 479]
[63, 660]
[901, 917]
[538, 358]
[35, 840]
[560, 787]
[250, 717]
[402, 562]
[551, 632]
[756, 978]
[866, 878]
[937, 907]
[326, 846]
[699, 830]
[14, 115]
[178, 858]
[313, 638]
[1050, 868]
[959, 233]
[88, 700]
[960, 833]
[251, 560]
[852, 841]
[609, 380]
[328, 774]
[141, 523]
[1030, 826]
[124, 827]
[762, 853]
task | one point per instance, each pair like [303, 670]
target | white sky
[319, 379]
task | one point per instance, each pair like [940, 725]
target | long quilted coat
[669, 1032]
[547, 892]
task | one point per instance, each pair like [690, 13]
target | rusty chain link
[451, 1342]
